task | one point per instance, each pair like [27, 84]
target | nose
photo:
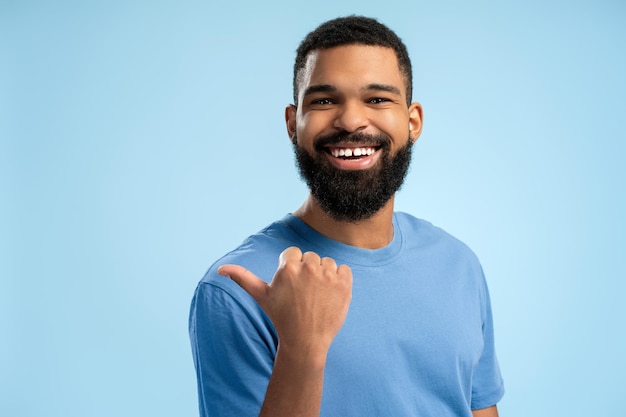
[351, 116]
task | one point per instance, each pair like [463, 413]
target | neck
[372, 233]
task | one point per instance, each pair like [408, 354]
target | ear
[290, 121]
[415, 121]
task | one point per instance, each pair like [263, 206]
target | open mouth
[352, 153]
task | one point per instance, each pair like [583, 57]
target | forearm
[295, 387]
[486, 412]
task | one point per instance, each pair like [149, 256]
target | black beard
[353, 195]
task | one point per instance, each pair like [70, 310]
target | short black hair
[352, 30]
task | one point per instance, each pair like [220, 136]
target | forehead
[351, 66]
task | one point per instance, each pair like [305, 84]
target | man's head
[352, 30]
[353, 125]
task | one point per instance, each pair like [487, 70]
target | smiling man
[370, 312]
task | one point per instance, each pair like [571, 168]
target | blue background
[140, 140]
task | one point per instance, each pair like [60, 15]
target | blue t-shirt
[417, 340]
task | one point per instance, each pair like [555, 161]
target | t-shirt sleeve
[233, 345]
[487, 384]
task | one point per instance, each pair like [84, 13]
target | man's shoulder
[422, 232]
[412, 225]
[258, 252]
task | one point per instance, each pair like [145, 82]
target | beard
[353, 195]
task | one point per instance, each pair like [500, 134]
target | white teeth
[337, 152]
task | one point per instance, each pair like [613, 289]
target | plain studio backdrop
[141, 140]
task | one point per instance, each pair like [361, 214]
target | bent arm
[307, 301]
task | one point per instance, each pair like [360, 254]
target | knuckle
[310, 267]
[311, 255]
[292, 249]
[329, 262]
[290, 267]
[329, 274]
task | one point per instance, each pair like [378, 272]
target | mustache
[379, 140]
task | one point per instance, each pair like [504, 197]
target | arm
[295, 388]
[486, 412]
[307, 302]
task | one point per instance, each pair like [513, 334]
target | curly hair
[352, 30]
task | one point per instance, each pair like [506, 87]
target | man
[370, 312]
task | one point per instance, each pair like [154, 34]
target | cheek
[311, 125]
[394, 124]
[314, 120]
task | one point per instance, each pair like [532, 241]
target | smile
[351, 152]
[346, 152]
[350, 158]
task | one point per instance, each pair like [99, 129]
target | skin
[348, 88]
[357, 104]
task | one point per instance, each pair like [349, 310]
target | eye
[378, 100]
[322, 101]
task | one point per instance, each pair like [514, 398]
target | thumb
[247, 280]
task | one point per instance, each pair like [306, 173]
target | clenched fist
[307, 300]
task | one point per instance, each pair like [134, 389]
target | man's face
[352, 130]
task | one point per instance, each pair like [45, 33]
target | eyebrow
[322, 88]
[382, 87]
[328, 88]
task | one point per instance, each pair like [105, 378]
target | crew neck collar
[343, 253]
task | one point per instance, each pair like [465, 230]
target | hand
[307, 300]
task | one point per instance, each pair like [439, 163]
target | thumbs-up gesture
[307, 300]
